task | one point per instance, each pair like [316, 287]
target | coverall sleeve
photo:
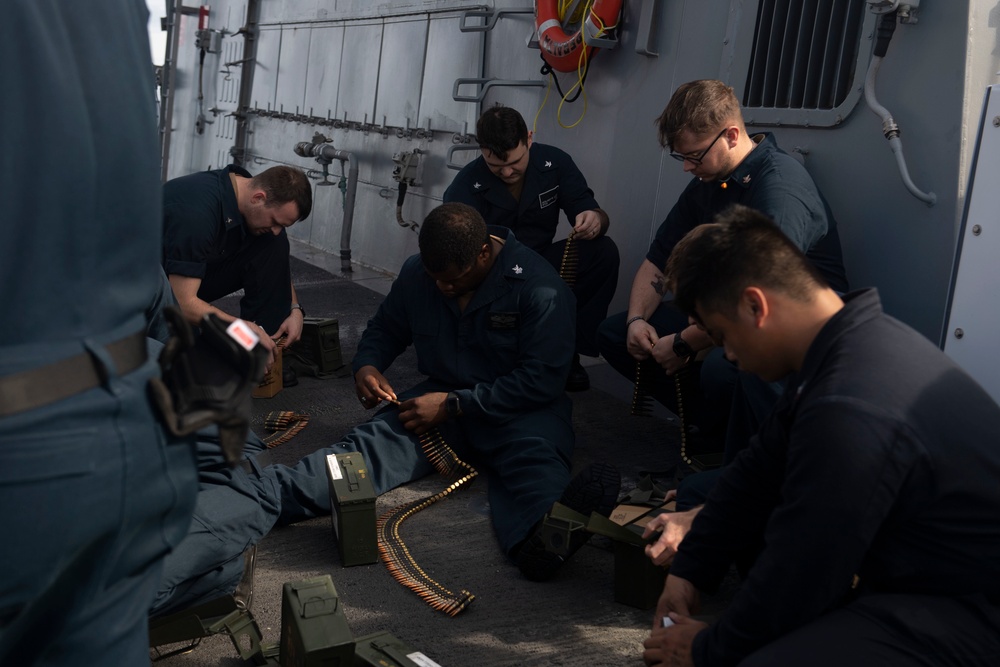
[683, 217]
[388, 333]
[189, 236]
[459, 191]
[845, 467]
[575, 196]
[545, 351]
[801, 222]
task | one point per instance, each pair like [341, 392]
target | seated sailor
[864, 509]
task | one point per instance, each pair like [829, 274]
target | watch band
[682, 349]
[296, 306]
[453, 405]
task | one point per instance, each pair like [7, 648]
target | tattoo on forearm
[659, 285]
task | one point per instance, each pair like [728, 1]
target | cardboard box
[271, 384]
[314, 630]
[352, 499]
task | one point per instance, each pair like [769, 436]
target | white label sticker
[333, 465]
[241, 332]
[422, 659]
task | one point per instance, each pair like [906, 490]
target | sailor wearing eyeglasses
[702, 127]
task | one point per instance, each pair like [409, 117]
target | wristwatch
[452, 405]
[681, 349]
[296, 306]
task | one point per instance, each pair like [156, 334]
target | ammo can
[314, 631]
[384, 650]
[321, 343]
[352, 498]
[638, 583]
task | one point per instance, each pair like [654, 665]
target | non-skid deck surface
[572, 620]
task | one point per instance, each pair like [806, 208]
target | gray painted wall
[395, 63]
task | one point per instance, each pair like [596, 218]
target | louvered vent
[805, 54]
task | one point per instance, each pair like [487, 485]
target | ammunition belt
[284, 425]
[644, 373]
[48, 384]
[397, 557]
[641, 397]
[570, 263]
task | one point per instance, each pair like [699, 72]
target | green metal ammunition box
[559, 526]
[383, 650]
[320, 344]
[638, 583]
[314, 630]
[352, 498]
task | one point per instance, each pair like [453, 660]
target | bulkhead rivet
[977, 230]
[959, 333]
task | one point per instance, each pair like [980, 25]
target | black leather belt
[41, 386]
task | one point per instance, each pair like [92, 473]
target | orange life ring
[561, 51]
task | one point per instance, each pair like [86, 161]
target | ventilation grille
[804, 53]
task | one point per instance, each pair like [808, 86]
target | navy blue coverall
[93, 493]
[776, 184]
[506, 355]
[552, 183]
[880, 460]
[205, 237]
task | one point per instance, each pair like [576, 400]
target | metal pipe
[887, 24]
[167, 85]
[249, 60]
[325, 153]
[891, 132]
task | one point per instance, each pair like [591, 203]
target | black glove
[206, 379]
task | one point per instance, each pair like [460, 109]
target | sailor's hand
[663, 353]
[372, 387]
[679, 596]
[640, 339]
[265, 341]
[673, 526]
[423, 413]
[587, 225]
[671, 646]
[291, 328]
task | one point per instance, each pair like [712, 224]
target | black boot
[594, 489]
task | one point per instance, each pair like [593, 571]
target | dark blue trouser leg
[262, 271]
[235, 509]
[611, 341]
[527, 460]
[393, 455]
[752, 400]
[528, 463]
[594, 286]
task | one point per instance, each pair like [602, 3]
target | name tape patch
[504, 321]
[548, 198]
